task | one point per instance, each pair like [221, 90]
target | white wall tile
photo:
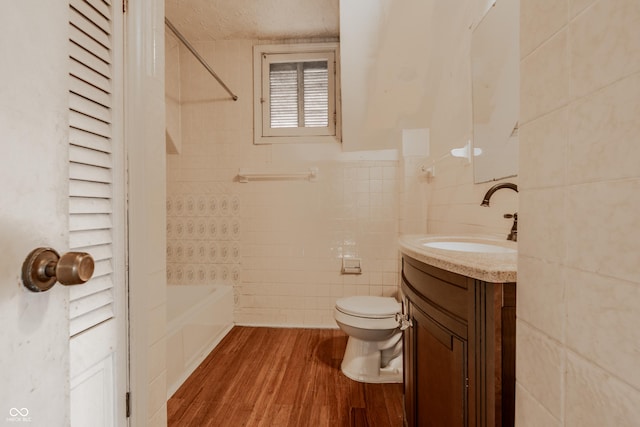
[544, 78]
[539, 20]
[602, 226]
[604, 45]
[579, 226]
[540, 368]
[597, 309]
[543, 150]
[595, 398]
[578, 6]
[530, 413]
[543, 224]
[541, 296]
[604, 129]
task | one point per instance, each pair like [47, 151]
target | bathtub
[198, 317]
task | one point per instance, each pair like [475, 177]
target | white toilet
[374, 348]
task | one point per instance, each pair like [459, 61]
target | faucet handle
[513, 234]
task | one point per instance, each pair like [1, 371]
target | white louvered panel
[89, 156]
[95, 285]
[82, 88]
[83, 222]
[81, 138]
[102, 279]
[89, 303]
[82, 72]
[79, 171]
[89, 108]
[87, 19]
[99, 285]
[89, 60]
[78, 205]
[90, 160]
[101, 7]
[81, 39]
[91, 14]
[89, 189]
[99, 252]
[80, 121]
[103, 268]
[87, 321]
[89, 238]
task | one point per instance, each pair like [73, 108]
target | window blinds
[299, 94]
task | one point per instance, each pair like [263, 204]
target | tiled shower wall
[279, 242]
[203, 235]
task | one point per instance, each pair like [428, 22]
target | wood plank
[281, 377]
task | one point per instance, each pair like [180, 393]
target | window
[296, 93]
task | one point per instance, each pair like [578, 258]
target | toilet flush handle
[404, 321]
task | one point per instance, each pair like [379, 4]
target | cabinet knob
[44, 266]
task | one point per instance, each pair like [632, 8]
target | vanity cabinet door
[439, 374]
[459, 354]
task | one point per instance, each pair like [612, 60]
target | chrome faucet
[513, 234]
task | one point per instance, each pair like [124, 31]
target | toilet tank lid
[369, 306]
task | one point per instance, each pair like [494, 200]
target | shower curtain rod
[197, 55]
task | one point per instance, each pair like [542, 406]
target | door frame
[145, 152]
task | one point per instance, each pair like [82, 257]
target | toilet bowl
[374, 347]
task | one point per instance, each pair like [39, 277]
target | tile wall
[579, 280]
[279, 242]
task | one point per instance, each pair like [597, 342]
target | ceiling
[205, 20]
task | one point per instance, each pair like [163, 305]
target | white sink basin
[465, 246]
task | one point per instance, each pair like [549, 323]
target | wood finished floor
[281, 377]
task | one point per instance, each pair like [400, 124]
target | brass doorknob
[44, 266]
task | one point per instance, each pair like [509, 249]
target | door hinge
[127, 403]
[125, 6]
[466, 382]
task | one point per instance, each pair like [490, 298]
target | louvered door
[96, 212]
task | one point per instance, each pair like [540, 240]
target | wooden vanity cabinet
[459, 352]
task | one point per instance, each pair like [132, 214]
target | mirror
[495, 73]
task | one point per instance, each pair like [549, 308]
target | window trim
[261, 83]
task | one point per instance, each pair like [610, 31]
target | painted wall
[578, 291]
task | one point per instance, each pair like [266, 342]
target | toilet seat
[370, 307]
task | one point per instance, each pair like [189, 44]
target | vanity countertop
[487, 266]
